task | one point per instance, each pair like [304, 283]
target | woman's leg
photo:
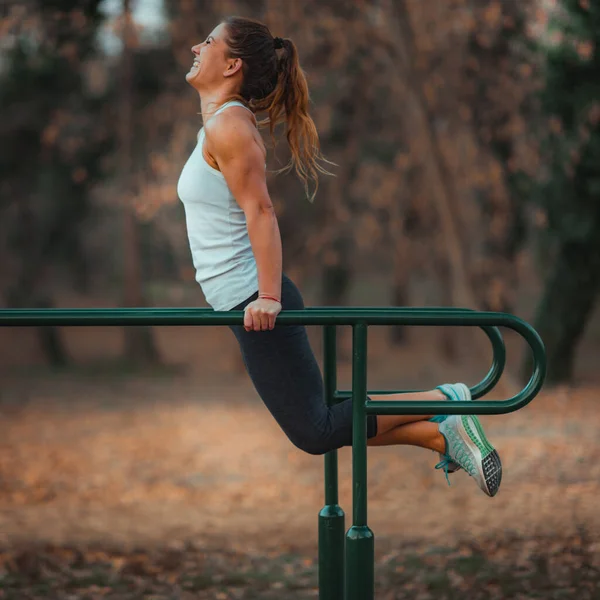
[418, 433]
[411, 430]
[388, 422]
[287, 377]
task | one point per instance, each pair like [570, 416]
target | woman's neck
[210, 102]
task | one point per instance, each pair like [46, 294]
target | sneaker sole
[490, 472]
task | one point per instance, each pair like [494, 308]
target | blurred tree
[423, 105]
[436, 175]
[570, 191]
[54, 137]
[140, 347]
[348, 131]
[497, 89]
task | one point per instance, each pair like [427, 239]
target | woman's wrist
[269, 297]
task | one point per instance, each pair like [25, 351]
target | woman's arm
[232, 143]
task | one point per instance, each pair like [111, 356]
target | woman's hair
[277, 85]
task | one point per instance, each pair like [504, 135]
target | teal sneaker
[467, 446]
[456, 392]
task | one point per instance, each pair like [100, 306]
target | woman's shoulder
[231, 128]
[231, 124]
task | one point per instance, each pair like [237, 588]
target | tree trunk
[400, 297]
[24, 293]
[139, 342]
[495, 275]
[399, 334]
[337, 277]
[420, 120]
[567, 304]
[50, 340]
[443, 191]
[452, 264]
[449, 341]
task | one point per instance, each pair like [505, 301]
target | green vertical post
[360, 546]
[331, 518]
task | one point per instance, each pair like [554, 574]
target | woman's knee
[312, 443]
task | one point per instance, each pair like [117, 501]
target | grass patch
[548, 569]
[197, 583]
[470, 565]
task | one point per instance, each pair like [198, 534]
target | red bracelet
[267, 297]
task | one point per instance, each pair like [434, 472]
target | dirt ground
[179, 484]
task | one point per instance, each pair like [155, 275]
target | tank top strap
[232, 103]
[221, 108]
[228, 104]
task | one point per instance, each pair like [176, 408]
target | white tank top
[217, 231]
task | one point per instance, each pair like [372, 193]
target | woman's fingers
[252, 319]
[259, 319]
[248, 320]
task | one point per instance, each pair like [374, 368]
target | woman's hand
[260, 315]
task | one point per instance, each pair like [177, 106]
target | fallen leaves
[149, 490]
[494, 568]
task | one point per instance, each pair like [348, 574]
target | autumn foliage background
[141, 461]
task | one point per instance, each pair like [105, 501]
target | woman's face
[210, 64]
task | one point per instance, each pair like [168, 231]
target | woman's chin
[191, 77]
[192, 74]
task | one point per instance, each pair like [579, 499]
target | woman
[238, 71]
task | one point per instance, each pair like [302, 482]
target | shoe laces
[444, 464]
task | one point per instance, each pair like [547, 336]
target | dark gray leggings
[287, 377]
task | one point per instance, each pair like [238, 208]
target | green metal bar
[478, 390]
[359, 424]
[358, 576]
[360, 546]
[331, 518]
[330, 382]
[318, 316]
[205, 316]
[480, 407]
[16, 317]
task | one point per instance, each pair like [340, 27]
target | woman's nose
[196, 49]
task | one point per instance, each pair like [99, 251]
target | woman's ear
[233, 67]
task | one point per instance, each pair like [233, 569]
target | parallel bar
[330, 382]
[16, 317]
[480, 407]
[315, 316]
[357, 581]
[441, 407]
[360, 550]
[359, 425]
[331, 517]
[478, 390]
